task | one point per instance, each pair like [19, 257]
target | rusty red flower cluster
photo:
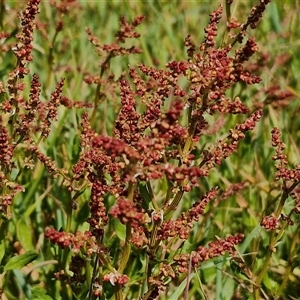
[214, 249]
[283, 172]
[76, 241]
[23, 49]
[181, 227]
[157, 132]
[270, 222]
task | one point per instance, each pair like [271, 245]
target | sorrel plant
[126, 194]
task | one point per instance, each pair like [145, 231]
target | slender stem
[91, 278]
[174, 203]
[148, 294]
[50, 56]
[127, 246]
[98, 95]
[118, 293]
[106, 262]
[186, 150]
[186, 292]
[274, 238]
[154, 234]
[150, 190]
[2, 10]
[228, 17]
[292, 255]
[126, 251]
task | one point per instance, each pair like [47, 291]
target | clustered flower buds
[52, 108]
[24, 47]
[9, 190]
[214, 249]
[296, 196]
[126, 211]
[278, 97]
[23, 51]
[182, 226]
[6, 149]
[154, 145]
[270, 222]
[282, 169]
[116, 278]
[211, 28]
[75, 241]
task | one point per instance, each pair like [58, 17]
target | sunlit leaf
[20, 261]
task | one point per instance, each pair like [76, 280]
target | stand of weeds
[147, 181]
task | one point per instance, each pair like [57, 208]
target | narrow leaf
[2, 250]
[120, 229]
[24, 235]
[18, 262]
[253, 234]
[180, 289]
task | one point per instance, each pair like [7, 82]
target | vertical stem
[292, 255]
[119, 295]
[50, 57]
[2, 9]
[186, 292]
[90, 277]
[127, 246]
[228, 17]
[274, 238]
[98, 95]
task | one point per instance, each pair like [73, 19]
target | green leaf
[145, 195]
[270, 284]
[39, 293]
[24, 234]
[18, 262]
[83, 213]
[213, 262]
[253, 234]
[2, 250]
[275, 18]
[180, 289]
[120, 229]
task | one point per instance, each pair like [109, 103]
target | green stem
[2, 10]
[148, 294]
[154, 234]
[150, 190]
[91, 277]
[174, 203]
[228, 17]
[127, 246]
[292, 255]
[118, 293]
[274, 238]
[106, 262]
[50, 57]
[185, 152]
[98, 94]
[127, 249]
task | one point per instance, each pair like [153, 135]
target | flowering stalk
[140, 188]
[126, 31]
[150, 146]
[291, 179]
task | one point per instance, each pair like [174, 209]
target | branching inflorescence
[151, 146]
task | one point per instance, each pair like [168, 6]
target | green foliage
[18, 262]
